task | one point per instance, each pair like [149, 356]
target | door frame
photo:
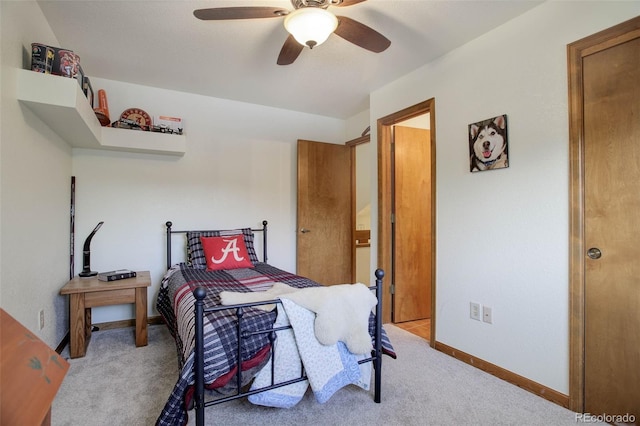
[385, 135]
[575, 52]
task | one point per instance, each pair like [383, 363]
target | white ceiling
[161, 44]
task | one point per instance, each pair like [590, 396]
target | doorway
[389, 192]
[604, 95]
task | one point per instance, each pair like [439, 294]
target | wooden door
[411, 228]
[325, 224]
[611, 83]
[385, 127]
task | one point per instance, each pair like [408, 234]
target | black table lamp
[86, 254]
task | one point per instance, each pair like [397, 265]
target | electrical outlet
[41, 318]
[474, 310]
[486, 314]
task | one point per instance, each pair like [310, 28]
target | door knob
[594, 253]
[304, 230]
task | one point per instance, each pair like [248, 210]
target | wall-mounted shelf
[139, 141]
[60, 103]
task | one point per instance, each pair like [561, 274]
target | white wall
[34, 185]
[502, 236]
[357, 124]
[239, 169]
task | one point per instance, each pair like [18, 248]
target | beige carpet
[119, 384]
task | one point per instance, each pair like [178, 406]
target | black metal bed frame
[199, 311]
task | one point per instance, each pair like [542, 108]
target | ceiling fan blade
[290, 51]
[349, 3]
[249, 12]
[361, 35]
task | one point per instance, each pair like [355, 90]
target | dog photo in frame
[488, 144]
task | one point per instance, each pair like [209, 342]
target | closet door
[612, 229]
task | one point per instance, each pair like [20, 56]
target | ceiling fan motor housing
[323, 4]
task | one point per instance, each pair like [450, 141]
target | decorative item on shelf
[102, 111]
[42, 58]
[88, 90]
[55, 70]
[54, 60]
[133, 118]
[166, 124]
[86, 254]
[80, 77]
[120, 274]
[66, 63]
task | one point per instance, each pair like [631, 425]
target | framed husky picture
[488, 144]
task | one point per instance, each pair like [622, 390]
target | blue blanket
[328, 367]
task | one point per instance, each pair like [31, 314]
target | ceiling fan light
[310, 26]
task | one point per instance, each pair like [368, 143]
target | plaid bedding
[176, 304]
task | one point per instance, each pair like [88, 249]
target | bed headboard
[170, 232]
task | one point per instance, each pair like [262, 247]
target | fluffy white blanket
[235, 298]
[342, 314]
[342, 311]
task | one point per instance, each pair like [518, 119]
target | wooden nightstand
[86, 293]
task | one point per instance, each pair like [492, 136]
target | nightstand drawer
[111, 297]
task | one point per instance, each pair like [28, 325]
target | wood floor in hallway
[420, 328]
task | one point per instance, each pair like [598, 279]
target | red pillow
[225, 252]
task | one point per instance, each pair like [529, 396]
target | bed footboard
[199, 402]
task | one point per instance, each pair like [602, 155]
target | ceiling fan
[309, 24]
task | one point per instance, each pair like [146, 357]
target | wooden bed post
[378, 349]
[198, 361]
